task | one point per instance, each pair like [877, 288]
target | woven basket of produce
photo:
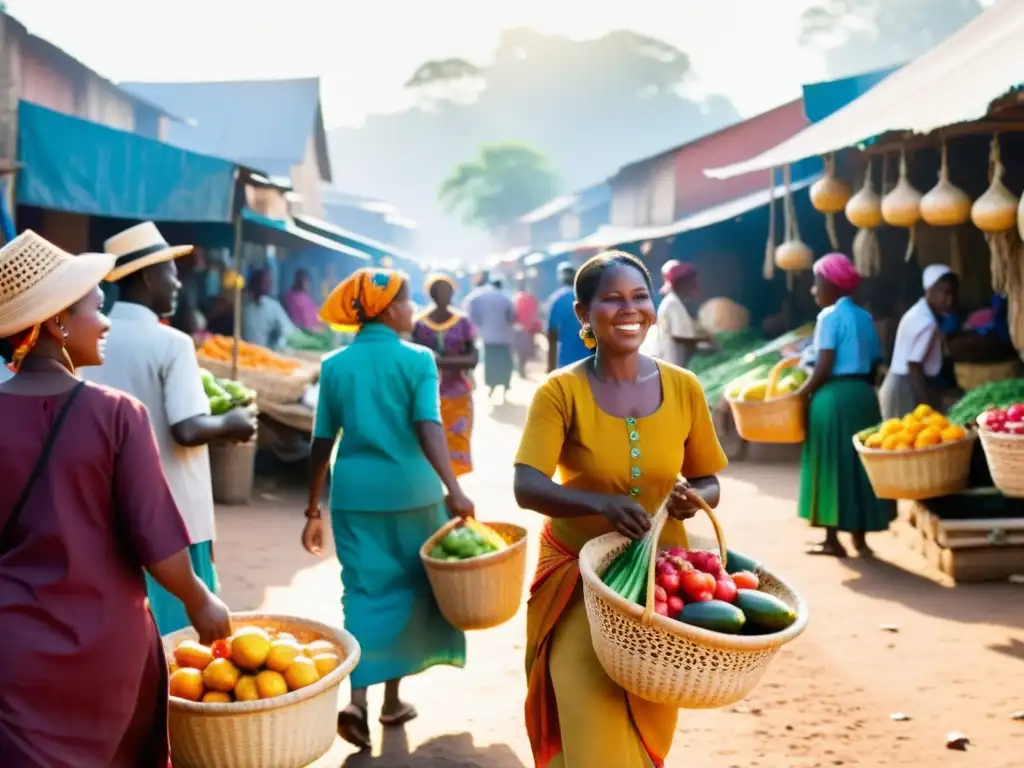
[971, 375]
[694, 628]
[476, 571]
[921, 456]
[233, 471]
[274, 377]
[771, 410]
[1002, 438]
[268, 696]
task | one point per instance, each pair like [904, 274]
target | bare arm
[537, 492]
[319, 460]
[918, 382]
[822, 371]
[709, 489]
[203, 429]
[467, 360]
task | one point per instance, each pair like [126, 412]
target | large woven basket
[1005, 456]
[923, 473]
[269, 385]
[663, 660]
[774, 419]
[289, 731]
[233, 471]
[481, 592]
[971, 375]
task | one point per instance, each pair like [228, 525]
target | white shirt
[917, 341]
[264, 322]
[157, 365]
[675, 322]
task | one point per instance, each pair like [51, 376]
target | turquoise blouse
[850, 331]
[374, 391]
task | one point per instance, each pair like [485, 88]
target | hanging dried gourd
[768, 270]
[864, 211]
[995, 214]
[829, 195]
[792, 255]
[901, 207]
[945, 205]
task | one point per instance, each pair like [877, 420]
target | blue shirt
[493, 314]
[562, 318]
[374, 391]
[850, 331]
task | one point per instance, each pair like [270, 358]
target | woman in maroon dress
[84, 506]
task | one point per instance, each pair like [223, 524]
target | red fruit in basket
[660, 595]
[1016, 429]
[221, 649]
[746, 580]
[675, 605]
[712, 564]
[669, 581]
[661, 609]
[725, 588]
[697, 582]
[703, 597]
[1015, 412]
[664, 567]
[676, 552]
[993, 419]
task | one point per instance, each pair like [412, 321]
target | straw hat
[38, 280]
[139, 247]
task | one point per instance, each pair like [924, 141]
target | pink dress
[83, 681]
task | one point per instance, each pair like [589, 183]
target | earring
[61, 328]
[587, 336]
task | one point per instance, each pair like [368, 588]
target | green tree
[497, 186]
[861, 35]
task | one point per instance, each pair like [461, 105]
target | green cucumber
[735, 562]
[715, 615]
[765, 612]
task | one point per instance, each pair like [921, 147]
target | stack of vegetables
[252, 356]
[225, 394]
[996, 394]
[752, 390]
[733, 345]
[693, 587]
[311, 341]
[923, 428]
[474, 539]
[750, 365]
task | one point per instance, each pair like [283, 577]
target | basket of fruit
[921, 456]
[771, 410]
[266, 696]
[1002, 438]
[692, 628]
[476, 571]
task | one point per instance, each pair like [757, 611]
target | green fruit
[735, 562]
[221, 404]
[715, 615]
[765, 612]
[438, 552]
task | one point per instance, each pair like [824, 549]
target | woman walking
[386, 492]
[452, 338]
[84, 507]
[622, 431]
[835, 493]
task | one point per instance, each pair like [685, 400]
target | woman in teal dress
[835, 493]
[387, 496]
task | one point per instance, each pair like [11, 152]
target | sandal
[354, 726]
[401, 717]
[827, 550]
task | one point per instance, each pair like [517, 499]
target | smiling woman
[620, 431]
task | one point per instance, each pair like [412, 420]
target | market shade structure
[82, 167]
[955, 82]
[283, 234]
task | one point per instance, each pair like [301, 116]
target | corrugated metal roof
[263, 124]
[954, 82]
[551, 208]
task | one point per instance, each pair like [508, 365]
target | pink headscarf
[838, 270]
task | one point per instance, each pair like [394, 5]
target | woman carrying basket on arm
[835, 493]
[387, 498]
[84, 507]
[619, 429]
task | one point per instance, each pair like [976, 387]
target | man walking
[157, 364]
[492, 312]
[565, 346]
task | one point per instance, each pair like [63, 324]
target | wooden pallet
[965, 550]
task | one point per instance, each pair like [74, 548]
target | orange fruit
[319, 646]
[889, 442]
[902, 446]
[301, 673]
[326, 663]
[282, 654]
[913, 429]
[217, 697]
[187, 683]
[927, 437]
[952, 433]
[189, 653]
[221, 675]
[270, 684]
[250, 647]
[890, 427]
[937, 420]
[246, 689]
[922, 412]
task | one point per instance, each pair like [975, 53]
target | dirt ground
[954, 662]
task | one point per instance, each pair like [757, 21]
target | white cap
[933, 273]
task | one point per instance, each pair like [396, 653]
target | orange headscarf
[361, 297]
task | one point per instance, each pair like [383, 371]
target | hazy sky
[365, 51]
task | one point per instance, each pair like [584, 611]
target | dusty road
[955, 663]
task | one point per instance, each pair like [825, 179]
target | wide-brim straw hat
[139, 247]
[38, 280]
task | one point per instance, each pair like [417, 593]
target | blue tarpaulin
[83, 167]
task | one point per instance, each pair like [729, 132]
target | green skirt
[168, 611]
[834, 490]
[389, 606]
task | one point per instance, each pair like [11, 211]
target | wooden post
[10, 50]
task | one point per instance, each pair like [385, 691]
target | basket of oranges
[921, 456]
[266, 696]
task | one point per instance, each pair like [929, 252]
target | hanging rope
[768, 270]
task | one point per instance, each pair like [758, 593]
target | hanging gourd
[864, 211]
[829, 195]
[945, 205]
[768, 268]
[901, 207]
[792, 255]
[995, 214]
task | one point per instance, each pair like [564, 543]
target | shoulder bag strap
[43, 460]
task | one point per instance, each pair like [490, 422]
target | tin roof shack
[568, 217]
[275, 126]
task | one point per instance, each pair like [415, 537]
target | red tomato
[675, 605]
[1015, 412]
[668, 581]
[221, 649]
[677, 552]
[661, 609]
[746, 580]
[702, 597]
[712, 564]
[660, 595]
[725, 588]
[695, 582]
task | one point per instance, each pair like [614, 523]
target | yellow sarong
[457, 417]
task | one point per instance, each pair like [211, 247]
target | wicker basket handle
[658, 526]
[776, 373]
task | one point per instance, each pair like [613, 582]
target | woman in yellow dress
[623, 432]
